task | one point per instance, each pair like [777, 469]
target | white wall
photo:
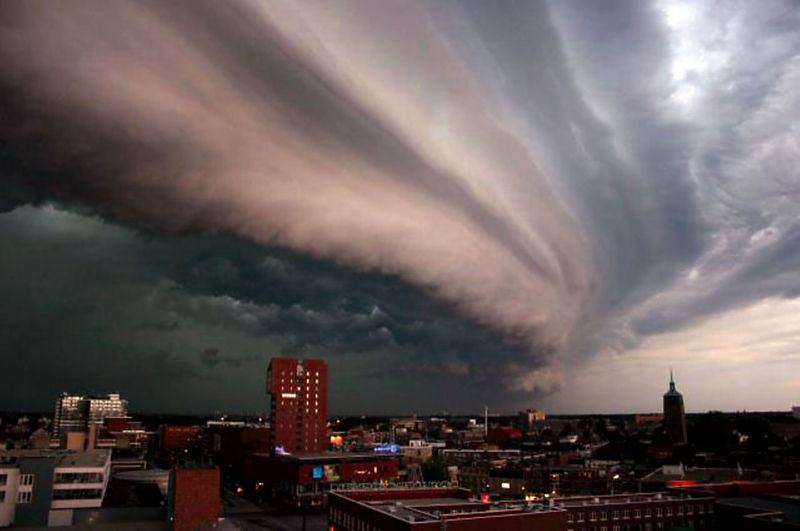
[8, 506]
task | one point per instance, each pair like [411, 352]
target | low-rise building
[44, 487]
[297, 479]
[433, 509]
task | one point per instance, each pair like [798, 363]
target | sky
[455, 203]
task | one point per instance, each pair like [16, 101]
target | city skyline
[453, 205]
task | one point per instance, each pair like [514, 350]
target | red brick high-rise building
[298, 392]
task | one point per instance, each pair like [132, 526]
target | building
[102, 406]
[435, 508]
[229, 445]
[453, 509]
[75, 413]
[674, 415]
[45, 487]
[298, 392]
[69, 415]
[194, 498]
[755, 505]
[649, 510]
[528, 418]
[179, 437]
[307, 477]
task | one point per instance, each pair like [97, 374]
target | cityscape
[380, 265]
[92, 462]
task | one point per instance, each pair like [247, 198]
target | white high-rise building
[76, 412]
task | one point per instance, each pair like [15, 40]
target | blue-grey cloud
[571, 178]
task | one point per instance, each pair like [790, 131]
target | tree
[435, 469]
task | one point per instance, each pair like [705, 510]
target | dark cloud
[452, 195]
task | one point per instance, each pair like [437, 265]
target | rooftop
[89, 458]
[579, 501]
[437, 504]
[788, 507]
[325, 457]
[64, 458]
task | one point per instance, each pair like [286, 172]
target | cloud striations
[574, 178]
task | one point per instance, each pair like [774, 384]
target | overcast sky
[456, 203]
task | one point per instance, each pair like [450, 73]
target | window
[592, 516]
[659, 512]
[580, 517]
[647, 513]
[26, 479]
[76, 494]
[603, 515]
[680, 510]
[3, 479]
[2, 496]
[569, 518]
[626, 513]
[690, 509]
[82, 477]
[637, 513]
[669, 511]
[615, 514]
[24, 496]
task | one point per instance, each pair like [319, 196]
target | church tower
[674, 414]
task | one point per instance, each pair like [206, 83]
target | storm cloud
[490, 194]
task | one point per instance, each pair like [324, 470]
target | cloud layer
[573, 178]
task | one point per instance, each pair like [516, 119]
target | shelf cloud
[569, 178]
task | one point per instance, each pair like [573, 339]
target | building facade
[453, 509]
[298, 392]
[44, 487]
[307, 477]
[75, 413]
[194, 498]
[674, 415]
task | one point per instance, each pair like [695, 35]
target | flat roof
[790, 509]
[64, 458]
[89, 458]
[426, 509]
[642, 497]
[330, 456]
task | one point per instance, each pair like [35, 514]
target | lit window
[24, 496]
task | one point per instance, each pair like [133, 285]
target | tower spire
[671, 380]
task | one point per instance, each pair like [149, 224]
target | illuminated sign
[505, 485]
[288, 395]
[280, 450]
[317, 472]
[386, 449]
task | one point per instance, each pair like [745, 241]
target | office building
[100, 407]
[69, 415]
[298, 392]
[45, 487]
[674, 415]
[75, 413]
